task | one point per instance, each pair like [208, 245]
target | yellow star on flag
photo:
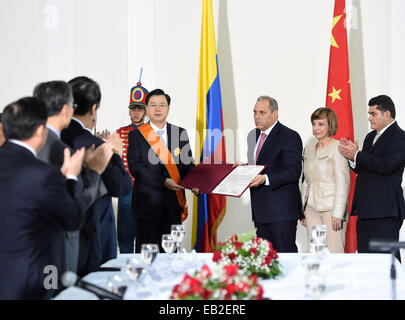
[335, 94]
[335, 21]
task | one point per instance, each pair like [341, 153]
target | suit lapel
[384, 138]
[271, 140]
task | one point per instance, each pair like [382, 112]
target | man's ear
[93, 109]
[65, 109]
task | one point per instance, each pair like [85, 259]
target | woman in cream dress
[326, 180]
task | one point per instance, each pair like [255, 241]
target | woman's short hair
[328, 114]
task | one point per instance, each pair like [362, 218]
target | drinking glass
[168, 244]
[317, 248]
[117, 284]
[134, 269]
[178, 232]
[319, 233]
[311, 264]
[149, 252]
[315, 286]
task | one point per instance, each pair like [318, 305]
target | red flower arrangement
[221, 283]
[252, 254]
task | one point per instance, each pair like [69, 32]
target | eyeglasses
[154, 105]
[74, 106]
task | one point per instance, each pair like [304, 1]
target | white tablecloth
[348, 277]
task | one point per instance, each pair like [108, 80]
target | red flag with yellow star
[338, 98]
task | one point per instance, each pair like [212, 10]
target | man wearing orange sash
[159, 156]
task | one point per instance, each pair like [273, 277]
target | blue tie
[160, 133]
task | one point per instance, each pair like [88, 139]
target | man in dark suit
[2, 139]
[158, 201]
[36, 203]
[87, 97]
[378, 199]
[58, 98]
[275, 195]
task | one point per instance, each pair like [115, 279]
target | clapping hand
[98, 158]
[348, 149]
[116, 143]
[72, 164]
[104, 135]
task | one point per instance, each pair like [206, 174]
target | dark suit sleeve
[92, 183]
[384, 164]
[291, 163]
[137, 166]
[62, 201]
[116, 178]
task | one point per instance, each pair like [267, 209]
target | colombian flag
[208, 210]
[338, 98]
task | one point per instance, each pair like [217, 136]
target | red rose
[253, 251]
[206, 271]
[206, 294]
[231, 270]
[217, 256]
[238, 245]
[253, 277]
[231, 289]
[260, 293]
[232, 256]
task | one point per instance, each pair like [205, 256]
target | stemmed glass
[149, 252]
[134, 269]
[319, 233]
[168, 244]
[178, 231]
[315, 285]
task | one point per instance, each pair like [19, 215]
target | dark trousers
[377, 229]
[125, 224]
[281, 234]
[151, 230]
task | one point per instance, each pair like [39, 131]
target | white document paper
[238, 180]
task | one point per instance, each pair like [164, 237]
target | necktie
[376, 137]
[160, 133]
[261, 142]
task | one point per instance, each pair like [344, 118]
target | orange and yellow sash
[167, 159]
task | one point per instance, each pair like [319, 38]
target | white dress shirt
[267, 132]
[164, 129]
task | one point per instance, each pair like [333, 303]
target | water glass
[117, 284]
[317, 248]
[178, 231]
[311, 264]
[149, 252]
[168, 244]
[134, 269]
[319, 233]
[315, 286]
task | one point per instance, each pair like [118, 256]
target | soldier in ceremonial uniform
[125, 218]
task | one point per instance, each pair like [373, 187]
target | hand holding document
[223, 179]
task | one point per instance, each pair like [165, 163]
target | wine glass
[168, 244]
[318, 248]
[117, 284]
[311, 264]
[319, 233]
[134, 269]
[315, 285]
[149, 252]
[178, 232]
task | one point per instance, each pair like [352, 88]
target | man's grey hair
[272, 102]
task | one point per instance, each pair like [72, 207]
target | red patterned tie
[259, 147]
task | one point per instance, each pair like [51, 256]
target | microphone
[70, 278]
[381, 245]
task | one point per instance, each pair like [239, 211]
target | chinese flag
[338, 98]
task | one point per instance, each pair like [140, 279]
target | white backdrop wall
[279, 48]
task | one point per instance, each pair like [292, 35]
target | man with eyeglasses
[159, 156]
